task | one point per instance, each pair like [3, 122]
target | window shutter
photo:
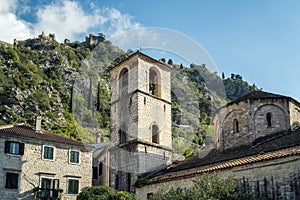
[56, 184]
[76, 186]
[7, 182]
[21, 148]
[7, 145]
[51, 152]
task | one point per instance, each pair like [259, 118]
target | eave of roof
[258, 94]
[140, 54]
[223, 165]
[27, 131]
[277, 145]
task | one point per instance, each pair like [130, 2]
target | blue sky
[258, 39]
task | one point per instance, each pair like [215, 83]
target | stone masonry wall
[251, 116]
[294, 114]
[279, 112]
[233, 138]
[154, 111]
[136, 113]
[31, 168]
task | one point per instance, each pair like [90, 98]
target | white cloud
[65, 19]
[11, 26]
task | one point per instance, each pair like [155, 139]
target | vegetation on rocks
[68, 85]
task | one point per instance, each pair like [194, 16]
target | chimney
[98, 138]
[38, 124]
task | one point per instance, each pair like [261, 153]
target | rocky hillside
[37, 77]
[68, 86]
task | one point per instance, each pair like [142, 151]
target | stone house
[257, 139]
[37, 164]
[101, 164]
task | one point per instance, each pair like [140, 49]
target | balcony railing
[47, 194]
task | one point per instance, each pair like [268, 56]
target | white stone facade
[139, 112]
[32, 167]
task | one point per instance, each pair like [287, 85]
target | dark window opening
[49, 189]
[100, 169]
[155, 134]
[12, 180]
[269, 120]
[117, 182]
[149, 195]
[123, 82]
[15, 148]
[128, 182]
[73, 186]
[74, 156]
[95, 171]
[153, 83]
[122, 136]
[48, 153]
[236, 127]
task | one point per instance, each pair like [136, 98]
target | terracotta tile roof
[258, 94]
[278, 145]
[24, 130]
[140, 54]
[223, 165]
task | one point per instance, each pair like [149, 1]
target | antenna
[140, 47]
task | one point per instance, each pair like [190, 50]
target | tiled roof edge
[226, 164]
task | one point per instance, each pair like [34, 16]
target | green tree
[170, 62]
[209, 187]
[104, 193]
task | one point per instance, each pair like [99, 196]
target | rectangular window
[100, 169]
[73, 186]
[48, 153]
[74, 156]
[48, 189]
[95, 175]
[15, 148]
[12, 180]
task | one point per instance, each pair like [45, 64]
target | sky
[260, 40]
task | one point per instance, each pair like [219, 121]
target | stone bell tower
[140, 119]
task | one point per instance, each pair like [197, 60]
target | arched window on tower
[154, 82]
[122, 136]
[269, 119]
[236, 127]
[123, 82]
[155, 134]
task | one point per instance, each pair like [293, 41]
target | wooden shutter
[21, 148]
[7, 145]
[55, 184]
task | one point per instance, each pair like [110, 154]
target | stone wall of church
[294, 114]
[164, 76]
[233, 138]
[278, 108]
[277, 179]
[153, 111]
[252, 121]
[135, 158]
